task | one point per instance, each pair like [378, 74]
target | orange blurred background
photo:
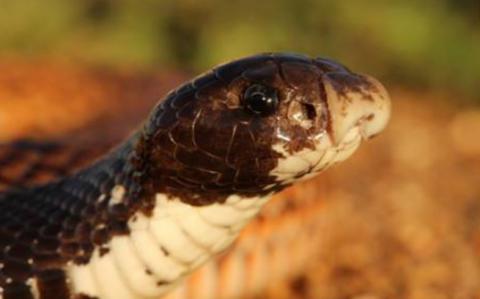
[401, 218]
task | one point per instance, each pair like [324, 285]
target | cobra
[177, 192]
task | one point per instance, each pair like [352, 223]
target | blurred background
[425, 44]
[401, 219]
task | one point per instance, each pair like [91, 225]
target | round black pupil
[261, 99]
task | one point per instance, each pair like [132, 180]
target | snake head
[253, 126]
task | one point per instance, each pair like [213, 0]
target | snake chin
[307, 163]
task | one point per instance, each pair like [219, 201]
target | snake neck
[102, 239]
[161, 249]
[110, 198]
[137, 246]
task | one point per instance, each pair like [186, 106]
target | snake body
[178, 191]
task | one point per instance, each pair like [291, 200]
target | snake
[140, 219]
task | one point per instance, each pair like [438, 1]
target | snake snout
[356, 102]
[378, 118]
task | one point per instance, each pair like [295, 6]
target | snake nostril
[309, 111]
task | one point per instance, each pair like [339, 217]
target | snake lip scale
[179, 190]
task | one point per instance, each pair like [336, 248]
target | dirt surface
[41, 100]
[402, 217]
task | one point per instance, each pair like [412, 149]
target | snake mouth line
[307, 163]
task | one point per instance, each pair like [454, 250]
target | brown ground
[48, 100]
[402, 216]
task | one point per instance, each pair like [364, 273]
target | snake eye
[261, 99]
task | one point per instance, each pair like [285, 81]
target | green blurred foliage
[423, 43]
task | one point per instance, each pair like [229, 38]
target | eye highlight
[260, 99]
